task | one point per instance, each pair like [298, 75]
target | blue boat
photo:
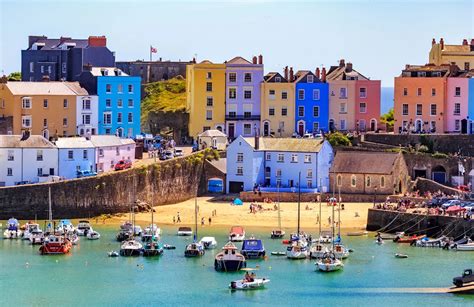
[253, 249]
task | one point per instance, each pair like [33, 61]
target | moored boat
[297, 250]
[340, 251]
[277, 234]
[36, 237]
[13, 229]
[152, 229]
[55, 245]
[253, 248]
[408, 239]
[357, 233]
[469, 246]
[92, 234]
[185, 231]
[64, 227]
[151, 246]
[83, 228]
[318, 250]
[130, 247]
[249, 282]
[124, 234]
[236, 234]
[208, 242]
[329, 263]
[229, 260]
[31, 228]
[194, 249]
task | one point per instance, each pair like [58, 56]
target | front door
[231, 130]
[464, 126]
[236, 186]
[300, 129]
[372, 125]
[266, 129]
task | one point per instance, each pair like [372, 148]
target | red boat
[409, 239]
[55, 245]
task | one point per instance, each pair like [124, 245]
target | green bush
[439, 155]
[423, 148]
[338, 139]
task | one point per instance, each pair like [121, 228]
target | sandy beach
[228, 215]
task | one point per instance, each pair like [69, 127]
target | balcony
[242, 117]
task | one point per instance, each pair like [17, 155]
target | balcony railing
[242, 117]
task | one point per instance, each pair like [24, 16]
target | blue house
[119, 100]
[63, 59]
[276, 163]
[311, 103]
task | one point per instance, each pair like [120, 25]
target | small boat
[137, 230]
[168, 246]
[93, 235]
[113, 254]
[54, 245]
[397, 255]
[277, 234]
[409, 239]
[340, 251]
[325, 237]
[425, 242]
[74, 238]
[249, 282]
[229, 260]
[388, 236]
[379, 241]
[152, 230]
[236, 234]
[185, 231]
[208, 242]
[357, 233]
[297, 250]
[124, 235]
[13, 229]
[83, 228]
[469, 246]
[31, 228]
[151, 246]
[194, 249]
[127, 225]
[317, 251]
[278, 253]
[36, 237]
[253, 248]
[64, 227]
[329, 263]
[130, 248]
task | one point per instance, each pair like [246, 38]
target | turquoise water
[372, 276]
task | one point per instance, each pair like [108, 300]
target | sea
[372, 276]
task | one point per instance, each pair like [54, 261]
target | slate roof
[340, 73]
[109, 140]
[74, 142]
[355, 162]
[76, 87]
[220, 164]
[33, 141]
[97, 71]
[287, 144]
[55, 43]
[44, 88]
[270, 77]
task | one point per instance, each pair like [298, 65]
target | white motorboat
[36, 237]
[185, 231]
[64, 227]
[29, 229]
[325, 237]
[297, 250]
[131, 248]
[83, 228]
[243, 284]
[357, 233]
[340, 251]
[152, 230]
[236, 234]
[209, 242]
[93, 235]
[137, 230]
[13, 229]
[469, 246]
[317, 251]
[194, 250]
[329, 263]
[74, 238]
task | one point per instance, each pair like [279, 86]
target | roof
[109, 140]
[76, 87]
[111, 72]
[45, 88]
[33, 141]
[342, 72]
[457, 48]
[212, 133]
[55, 43]
[356, 162]
[239, 60]
[74, 142]
[287, 144]
[301, 74]
[220, 164]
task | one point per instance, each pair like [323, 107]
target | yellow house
[462, 55]
[43, 108]
[277, 106]
[205, 89]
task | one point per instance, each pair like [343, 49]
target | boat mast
[320, 204]
[50, 210]
[339, 213]
[299, 200]
[278, 200]
[195, 220]
[332, 226]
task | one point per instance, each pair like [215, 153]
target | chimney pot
[97, 41]
[317, 73]
[349, 67]
[291, 74]
[433, 41]
[323, 74]
[260, 59]
[441, 42]
[342, 63]
[464, 42]
[286, 73]
[254, 60]
[472, 42]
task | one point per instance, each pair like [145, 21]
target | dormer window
[277, 79]
[310, 79]
[104, 72]
[436, 74]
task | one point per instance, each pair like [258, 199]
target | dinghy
[397, 255]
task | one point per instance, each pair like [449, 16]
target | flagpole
[150, 54]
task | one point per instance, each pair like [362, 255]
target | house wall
[290, 170]
[335, 101]
[106, 160]
[68, 167]
[250, 170]
[82, 128]
[275, 121]
[308, 103]
[31, 164]
[372, 101]
[15, 165]
[451, 99]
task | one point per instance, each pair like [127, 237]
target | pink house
[367, 100]
[456, 106]
[110, 149]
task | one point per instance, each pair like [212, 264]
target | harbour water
[372, 276]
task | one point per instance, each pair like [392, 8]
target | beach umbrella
[238, 202]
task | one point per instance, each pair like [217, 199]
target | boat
[93, 235]
[397, 255]
[409, 239]
[236, 234]
[229, 260]
[13, 229]
[127, 225]
[379, 241]
[74, 238]
[329, 263]
[36, 237]
[325, 237]
[278, 233]
[340, 251]
[152, 229]
[388, 236]
[83, 228]
[169, 246]
[55, 244]
[357, 233]
[29, 229]
[208, 242]
[249, 282]
[425, 242]
[113, 254]
[130, 247]
[317, 251]
[253, 248]
[151, 245]
[64, 227]
[124, 235]
[298, 248]
[185, 231]
[137, 230]
[469, 246]
[194, 249]
[278, 253]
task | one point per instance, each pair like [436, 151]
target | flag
[153, 50]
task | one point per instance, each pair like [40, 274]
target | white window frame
[294, 158]
[301, 91]
[318, 111]
[104, 118]
[26, 103]
[240, 157]
[407, 109]
[310, 79]
[364, 109]
[25, 118]
[363, 94]
[240, 171]
[301, 108]
[316, 94]
[281, 157]
[307, 158]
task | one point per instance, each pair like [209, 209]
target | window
[205, 128]
[39, 155]
[11, 156]
[208, 114]
[343, 92]
[65, 122]
[353, 181]
[310, 79]
[271, 111]
[284, 95]
[271, 94]
[382, 182]
[284, 111]
[130, 118]
[39, 172]
[300, 94]
[240, 171]
[419, 109]
[343, 107]
[466, 65]
[309, 173]
[107, 118]
[208, 86]
[45, 122]
[130, 88]
[457, 108]
[101, 152]
[315, 127]
[281, 158]
[232, 93]
[362, 92]
[209, 75]
[405, 109]
[119, 117]
[70, 155]
[278, 172]
[301, 111]
[247, 94]
[108, 103]
[130, 103]
[247, 77]
[294, 158]
[210, 101]
[315, 111]
[277, 79]
[32, 67]
[247, 129]
[108, 88]
[418, 91]
[232, 77]
[367, 181]
[343, 124]
[86, 104]
[315, 94]
[268, 156]
[457, 125]
[457, 91]
[309, 184]
[240, 157]
[9, 171]
[362, 107]
[433, 93]
[307, 158]
[26, 103]
[63, 68]
[120, 103]
[119, 88]
[45, 103]
[26, 121]
[339, 180]
[86, 119]
[405, 91]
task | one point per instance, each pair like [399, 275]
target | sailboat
[339, 249]
[318, 250]
[298, 248]
[150, 239]
[278, 233]
[195, 249]
[131, 247]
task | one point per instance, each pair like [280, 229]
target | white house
[75, 154]
[278, 162]
[212, 138]
[25, 159]
[87, 110]
[109, 149]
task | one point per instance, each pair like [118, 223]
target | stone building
[369, 173]
[155, 70]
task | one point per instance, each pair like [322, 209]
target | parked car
[178, 152]
[450, 203]
[467, 277]
[22, 182]
[308, 136]
[463, 188]
[123, 164]
[85, 173]
[169, 154]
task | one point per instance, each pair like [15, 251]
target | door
[301, 128]
[290, 183]
[373, 125]
[231, 130]
[236, 186]
[266, 129]
[464, 126]
[331, 125]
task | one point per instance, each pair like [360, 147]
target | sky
[379, 37]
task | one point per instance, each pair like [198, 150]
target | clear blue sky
[378, 37]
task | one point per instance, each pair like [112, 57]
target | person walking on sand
[178, 219]
[202, 221]
[329, 220]
[210, 221]
[317, 218]
[174, 220]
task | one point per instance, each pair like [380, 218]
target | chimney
[63, 39]
[260, 59]
[323, 75]
[45, 78]
[441, 42]
[464, 42]
[433, 41]
[286, 73]
[97, 41]
[453, 69]
[317, 73]
[342, 63]
[254, 60]
[87, 67]
[349, 67]
[194, 60]
[407, 66]
[257, 139]
[472, 44]
[291, 75]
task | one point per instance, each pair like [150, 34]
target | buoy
[57, 261]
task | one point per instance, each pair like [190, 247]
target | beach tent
[238, 202]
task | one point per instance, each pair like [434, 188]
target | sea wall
[159, 184]
[431, 225]
[307, 197]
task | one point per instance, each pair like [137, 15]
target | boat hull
[258, 283]
[55, 249]
[129, 252]
[229, 265]
[329, 267]
[253, 254]
[152, 252]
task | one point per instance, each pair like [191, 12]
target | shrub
[439, 155]
[338, 139]
[423, 148]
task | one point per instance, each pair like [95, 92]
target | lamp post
[375, 194]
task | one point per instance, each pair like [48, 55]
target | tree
[14, 76]
[388, 119]
[338, 139]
